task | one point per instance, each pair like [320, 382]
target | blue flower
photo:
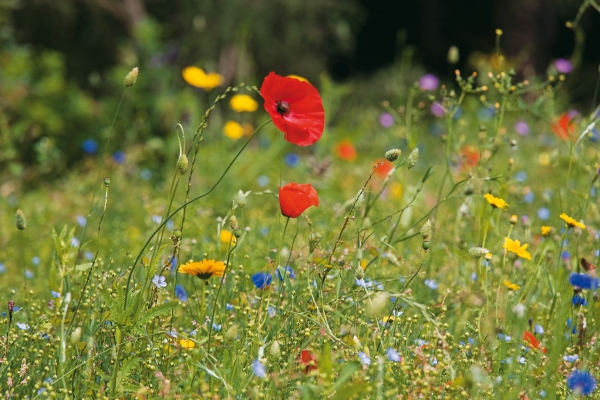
[89, 146]
[217, 327]
[474, 277]
[570, 324]
[581, 382]
[74, 242]
[430, 283]
[159, 281]
[538, 329]
[229, 307]
[571, 359]
[262, 280]
[259, 369]
[504, 337]
[263, 180]
[181, 293]
[292, 159]
[364, 359]
[521, 360]
[2, 268]
[119, 157]
[36, 260]
[28, 274]
[54, 294]
[272, 311]
[420, 342]
[22, 326]
[543, 213]
[290, 272]
[583, 281]
[81, 220]
[393, 355]
[578, 300]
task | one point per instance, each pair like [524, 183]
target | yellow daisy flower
[243, 103]
[187, 344]
[546, 230]
[571, 222]
[227, 237]
[514, 246]
[233, 130]
[511, 286]
[197, 77]
[203, 269]
[496, 202]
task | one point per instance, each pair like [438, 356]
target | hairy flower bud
[240, 198]
[182, 164]
[131, 77]
[393, 155]
[20, 220]
[413, 157]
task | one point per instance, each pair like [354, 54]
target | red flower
[345, 150]
[308, 360]
[295, 107]
[385, 168]
[531, 340]
[294, 198]
[469, 155]
[565, 127]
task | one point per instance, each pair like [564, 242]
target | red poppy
[384, 169]
[470, 155]
[294, 198]
[308, 360]
[295, 107]
[531, 340]
[565, 127]
[345, 150]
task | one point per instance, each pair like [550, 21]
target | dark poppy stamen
[282, 107]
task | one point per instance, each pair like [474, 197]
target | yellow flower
[203, 269]
[514, 246]
[298, 77]
[488, 256]
[546, 230]
[233, 130]
[197, 77]
[243, 103]
[187, 344]
[396, 190]
[226, 237]
[511, 286]
[571, 222]
[496, 202]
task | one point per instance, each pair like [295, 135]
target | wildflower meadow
[296, 239]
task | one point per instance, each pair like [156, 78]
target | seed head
[413, 157]
[478, 252]
[20, 220]
[131, 77]
[393, 155]
[182, 164]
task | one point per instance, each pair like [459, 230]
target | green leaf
[128, 365]
[350, 390]
[83, 267]
[155, 312]
[345, 374]
[325, 362]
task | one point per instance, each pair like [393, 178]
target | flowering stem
[139, 256]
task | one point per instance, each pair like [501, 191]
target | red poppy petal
[294, 198]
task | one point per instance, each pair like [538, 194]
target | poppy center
[282, 107]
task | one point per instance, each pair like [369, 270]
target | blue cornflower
[584, 281]
[430, 283]
[290, 272]
[292, 159]
[504, 337]
[262, 280]
[570, 325]
[54, 294]
[181, 293]
[272, 312]
[229, 307]
[36, 260]
[393, 355]
[364, 359]
[81, 220]
[572, 358]
[538, 329]
[578, 300]
[28, 274]
[259, 369]
[119, 157]
[581, 382]
[217, 327]
[90, 146]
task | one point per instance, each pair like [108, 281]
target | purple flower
[522, 128]
[159, 281]
[393, 355]
[581, 382]
[386, 120]
[259, 369]
[563, 66]
[437, 109]
[583, 281]
[429, 82]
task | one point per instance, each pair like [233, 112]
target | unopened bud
[233, 222]
[240, 198]
[275, 350]
[177, 233]
[453, 55]
[106, 181]
[514, 220]
[20, 220]
[131, 77]
[413, 157]
[393, 155]
[182, 164]
[76, 335]
[360, 273]
[426, 230]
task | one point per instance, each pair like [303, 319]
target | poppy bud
[182, 164]
[425, 245]
[177, 233]
[294, 198]
[20, 220]
[131, 77]
[106, 181]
